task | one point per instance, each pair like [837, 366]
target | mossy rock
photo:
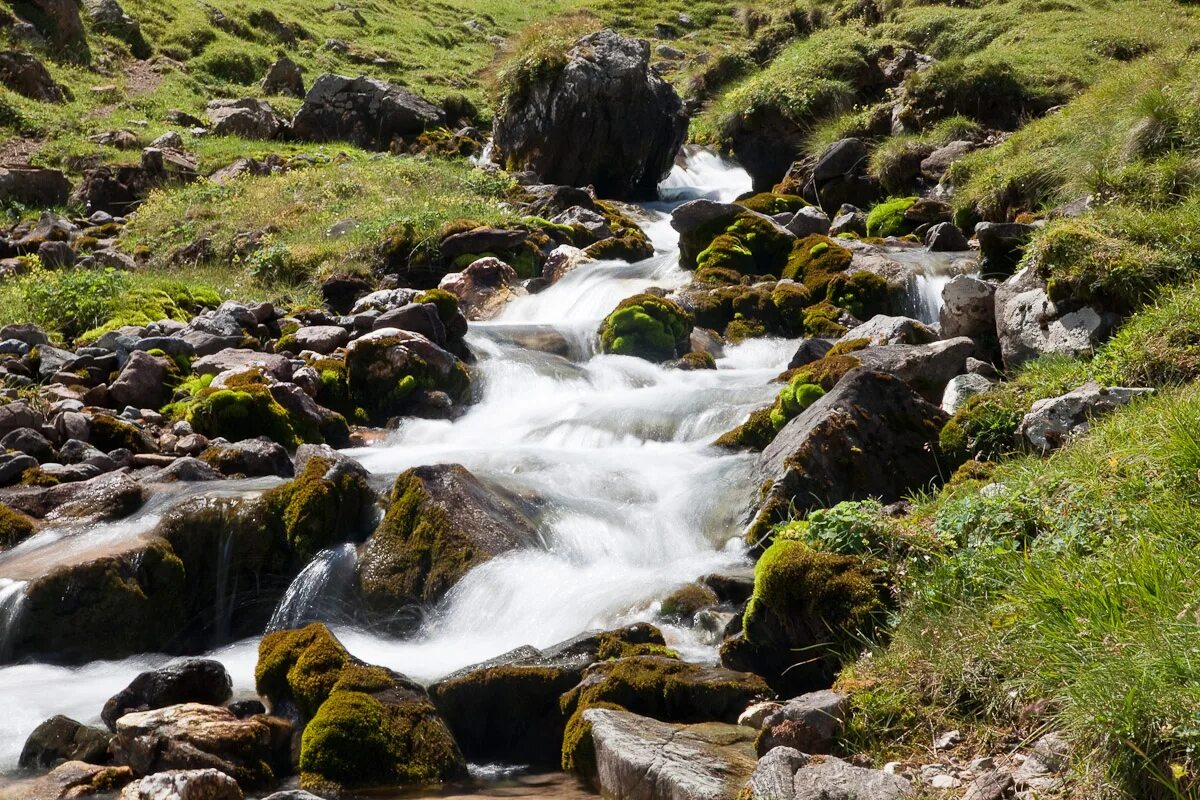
[299, 668]
[682, 604]
[634, 640]
[246, 411]
[863, 294]
[751, 245]
[695, 360]
[384, 372]
[754, 434]
[15, 527]
[760, 429]
[810, 610]
[647, 326]
[824, 372]
[771, 203]
[445, 301]
[888, 218]
[821, 321]
[790, 301]
[108, 433]
[325, 504]
[578, 748]
[816, 260]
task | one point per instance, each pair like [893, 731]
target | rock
[882, 330]
[809, 723]
[390, 372]
[248, 118]
[586, 222]
[13, 465]
[341, 291]
[1042, 769]
[962, 387]
[108, 17]
[142, 382]
[479, 241]
[56, 255]
[366, 112]
[604, 119]
[185, 469]
[968, 307]
[945, 237]
[562, 261]
[1029, 324]
[24, 74]
[807, 221]
[810, 350]
[926, 368]
[196, 680]
[70, 781]
[29, 442]
[419, 318]
[249, 457]
[192, 736]
[871, 436]
[1052, 421]
[787, 774]
[61, 739]
[643, 759]
[32, 186]
[994, 785]
[292, 794]
[184, 784]
[1001, 244]
[284, 77]
[238, 360]
[755, 715]
[850, 222]
[934, 166]
[695, 220]
[64, 25]
[322, 339]
[441, 522]
[842, 159]
[483, 288]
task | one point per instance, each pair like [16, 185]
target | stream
[617, 450]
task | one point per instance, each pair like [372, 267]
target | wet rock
[185, 469]
[1053, 421]
[193, 736]
[961, 388]
[968, 307]
[284, 77]
[638, 758]
[249, 458]
[366, 112]
[142, 382]
[603, 120]
[441, 522]
[391, 372]
[871, 436]
[1001, 244]
[247, 118]
[102, 498]
[196, 680]
[945, 237]
[184, 784]
[809, 723]
[807, 221]
[70, 781]
[788, 774]
[31, 186]
[60, 739]
[24, 74]
[483, 288]
[562, 261]
[882, 330]
[589, 223]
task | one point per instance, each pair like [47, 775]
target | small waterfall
[12, 603]
[319, 592]
[928, 274]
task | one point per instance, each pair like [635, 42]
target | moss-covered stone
[247, 410]
[445, 301]
[888, 218]
[760, 429]
[821, 320]
[325, 504]
[384, 372]
[752, 245]
[647, 326]
[824, 372]
[809, 610]
[108, 433]
[15, 527]
[814, 261]
[578, 749]
[771, 203]
[754, 434]
[863, 294]
[683, 603]
[695, 360]
[299, 668]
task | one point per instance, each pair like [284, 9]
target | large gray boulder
[603, 119]
[366, 112]
[142, 382]
[968, 307]
[809, 723]
[1029, 324]
[787, 774]
[927, 368]
[1052, 421]
[638, 758]
[871, 436]
[248, 118]
[883, 330]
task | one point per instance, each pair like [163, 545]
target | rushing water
[634, 500]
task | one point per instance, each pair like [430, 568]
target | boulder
[562, 261]
[193, 736]
[934, 166]
[809, 723]
[962, 387]
[322, 339]
[240, 360]
[32, 186]
[1052, 421]
[284, 77]
[419, 318]
[64, 26]
[60, 739]
[927, 368]
[871, 436]
[28, 441]
[1029, 324]
[69, 781]
[248, 118]
[366, 112]
[249, 458]
[882, 330]
[945, 237]
[484, 288]
[441, 522]
[24, 74]
[788, 774]
[968, 307]
[810, 350]
[1001, 244]
[603, 119]
[842, 159]
[108, 17]
[195, 680]
[184, 784]
[391, 372]
[638, 758]
[142, 382]
[807, 221]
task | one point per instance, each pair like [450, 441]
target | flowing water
[634, 500]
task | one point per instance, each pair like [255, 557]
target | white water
[635, 501]
[932, 271]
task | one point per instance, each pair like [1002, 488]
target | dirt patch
[19, 152]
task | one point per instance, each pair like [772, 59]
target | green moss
[863, 294]
[36, 476]
[821, 320]
[814, 261]
[751, 245]
[620, 248]
[648, 327]
[754, 434]
[771, 204]
[320, 507]
[15, 527]
[824, 372]
[109, 433]
[683, 603]
[849, 346]
[446, 302]
[246, 411]
[383, 373]
[887, 218]
[578, 749]
[794, 399]
[790, 301]
[300, 667]
[635, 640]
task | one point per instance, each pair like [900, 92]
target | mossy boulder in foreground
[441, 522]
[364, 726]
[807, 613]
[647, 326]
[391, 372]
[330, 501]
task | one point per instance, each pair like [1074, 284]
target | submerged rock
[602, 119]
